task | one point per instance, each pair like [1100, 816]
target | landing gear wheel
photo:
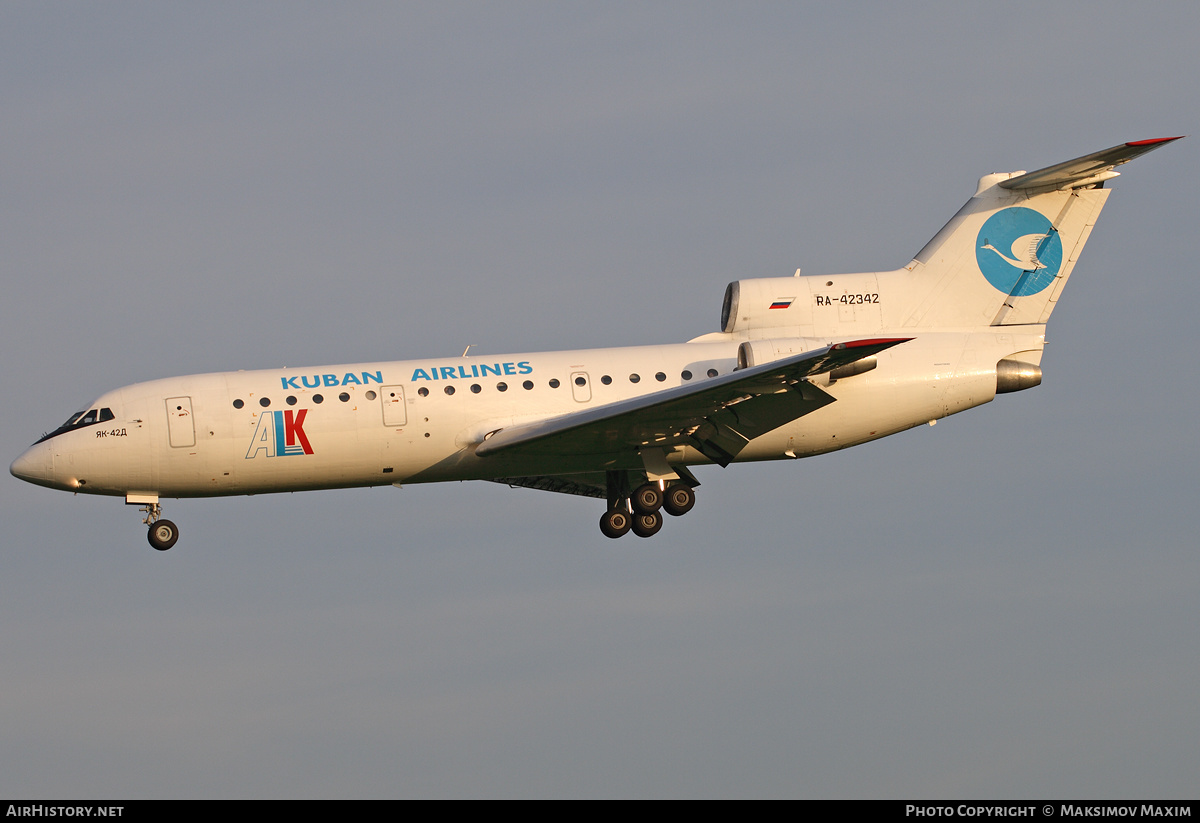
[647, 525]
[162, 534]
[648, 499]
[679, 500]
[616, 523]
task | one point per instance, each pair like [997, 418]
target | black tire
[647, 525]
[647, 499]
[162, 534]
[616, 523]
[679, 500]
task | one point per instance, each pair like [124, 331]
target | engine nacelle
[756, 352]
[766, 303]
[782, 307]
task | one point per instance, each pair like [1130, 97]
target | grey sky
[1002, 605]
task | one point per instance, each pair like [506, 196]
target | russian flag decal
[783, 303]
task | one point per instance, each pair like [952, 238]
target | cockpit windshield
[79, 420]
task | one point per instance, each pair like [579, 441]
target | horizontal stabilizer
[1091, 168]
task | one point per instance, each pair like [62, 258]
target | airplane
[801, 366]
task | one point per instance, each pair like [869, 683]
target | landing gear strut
[162, 534]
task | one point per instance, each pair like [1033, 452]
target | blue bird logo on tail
[1019, 251]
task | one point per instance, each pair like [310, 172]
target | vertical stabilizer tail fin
[1006, 256]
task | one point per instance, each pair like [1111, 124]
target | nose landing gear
[162, 534]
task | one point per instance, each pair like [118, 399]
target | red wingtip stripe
[1155, 140]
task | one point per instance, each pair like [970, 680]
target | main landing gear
[162, 534]
[641, 511]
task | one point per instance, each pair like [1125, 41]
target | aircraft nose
[36, 465]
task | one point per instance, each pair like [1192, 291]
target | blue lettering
[524, 368]
[447, 372]
[280, 434]
[509, 368]
[317, 380]
[484, 368]
[474, 370]
[462, 372]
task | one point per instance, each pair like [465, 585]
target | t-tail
[1001, 261]
[1006, 256]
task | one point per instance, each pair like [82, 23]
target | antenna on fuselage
[468, 348]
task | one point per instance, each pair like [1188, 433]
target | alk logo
[280, 434]
[1019, 251]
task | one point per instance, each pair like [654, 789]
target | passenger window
[635, 378]
[237, 404]
[686, 375]
[606, 379]
[424, 392]
[660, 377]
[554, 384]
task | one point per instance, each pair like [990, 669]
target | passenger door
[394, 413]
[181, 431]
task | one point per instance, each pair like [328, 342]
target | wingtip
[1155, 141]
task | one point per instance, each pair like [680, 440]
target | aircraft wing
[588, 484]
[718, 416]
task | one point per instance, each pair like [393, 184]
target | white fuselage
[369, 424]
[821, 363]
